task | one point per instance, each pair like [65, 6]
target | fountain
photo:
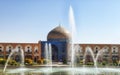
[12, 52]
[99, 54]
[90, 52]
[73, 31]
[8, 60]
[48, 54]
[49, 70]
[22, 58]
[48, 57]
[77, 55]
[73, 69]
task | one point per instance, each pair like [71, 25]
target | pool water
[61, 71]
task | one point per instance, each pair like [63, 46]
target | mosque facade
[60, 40]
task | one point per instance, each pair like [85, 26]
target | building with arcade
[60, 40]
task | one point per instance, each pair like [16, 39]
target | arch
[114, 49]
[9, 48]
[36, 49]
[106, 49]
[18, 56]
[96, 49]
[36, 58]
[28, 48]
[105, 53]
[87, 49]
[88, 55]
[18, 48]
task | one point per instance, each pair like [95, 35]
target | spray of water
[46, 52]
[73, 31]
[50, 54]
[8, 60]
[89, 50]
[77, 54]
[22, 58]
[12, 52]
[99, 54]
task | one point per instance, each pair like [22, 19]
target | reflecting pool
[61, 71]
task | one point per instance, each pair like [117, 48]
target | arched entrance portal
[54, 53]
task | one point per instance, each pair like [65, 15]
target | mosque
[59, 38]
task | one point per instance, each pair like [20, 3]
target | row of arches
[106, 49]
[27, 48]
[107, 53]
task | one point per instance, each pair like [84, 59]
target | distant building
[59, 38]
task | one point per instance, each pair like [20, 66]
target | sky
[97, 21]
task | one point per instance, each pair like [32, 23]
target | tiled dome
[59, 33]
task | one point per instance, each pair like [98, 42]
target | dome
[59, 33]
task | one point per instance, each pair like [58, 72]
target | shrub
[2, 61]
[40, 61]
[64, 61]
[115, 63]
[45, 61]
[28, 61]
[104, 63]
[12, 62]
[90, 63]
[81, 62]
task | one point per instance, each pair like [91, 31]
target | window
[28, 48]
[36, 50]
[9, 49]
[115, 57]
[113, 51]
[96, 49]
[19, 49]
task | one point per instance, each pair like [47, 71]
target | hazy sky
[97, 21]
